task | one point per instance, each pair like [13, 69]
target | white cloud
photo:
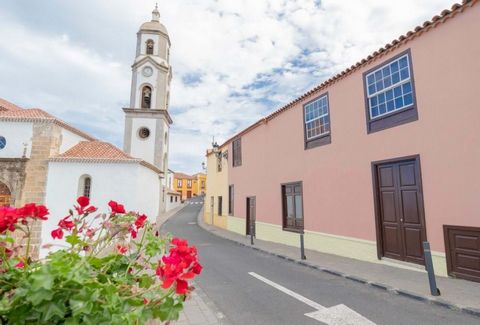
[246, 58]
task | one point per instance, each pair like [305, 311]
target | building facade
[217, 203]
[47, 161]
[377, 159]
[189, 186]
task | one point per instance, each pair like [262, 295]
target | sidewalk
[199, 310]
[409, 282]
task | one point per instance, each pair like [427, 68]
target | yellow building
[200, 185]
[217, 205]
[189, 186]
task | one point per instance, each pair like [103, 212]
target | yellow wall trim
[360, 249]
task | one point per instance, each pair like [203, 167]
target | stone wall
[45, 144]
[12, 174]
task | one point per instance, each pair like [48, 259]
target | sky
[233, 61]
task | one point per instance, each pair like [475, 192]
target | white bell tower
[147, 121]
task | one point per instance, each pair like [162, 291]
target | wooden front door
[462, 246]
[5, 195]
[400, 212]
[251, 214]
[189, 194]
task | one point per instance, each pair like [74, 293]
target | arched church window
[146, 97]
[149, 47]
[85, 186]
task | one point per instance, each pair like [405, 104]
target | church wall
[149, 187]
[143, 147]
[69, 139]
[161, 94]
[128, 183]
[17, 134]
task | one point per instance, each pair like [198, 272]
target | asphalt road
[244, 299]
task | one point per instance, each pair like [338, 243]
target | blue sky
[233, 61]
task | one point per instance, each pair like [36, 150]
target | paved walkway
[199, 310]
[410, 282]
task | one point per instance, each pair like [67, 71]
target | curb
[180, 208]
[407, 294]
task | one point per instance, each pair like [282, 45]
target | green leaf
[39, 296]
[74, 240]
[42, 279]
[168, 310]
[53, 309]
[145, 281]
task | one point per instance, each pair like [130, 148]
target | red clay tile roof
[99, 151]
[95, 150]
[417, 31]
[6, 105]
[11, 112]
[182, 176]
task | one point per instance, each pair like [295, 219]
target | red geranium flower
[57, 233]
[83, 201]
[182, 287]
[8, 219]
[40, 212]
[140, 221]
[33, 211]
[90, 232]
[133, 233]
[20, 265]
[66, 224]
[116, 208]
[179, 265]
[121, 249]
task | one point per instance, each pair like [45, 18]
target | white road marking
[289, 292]
[336, 315]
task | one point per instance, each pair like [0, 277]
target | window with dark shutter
[220, 208]
[292, 201]
[230, 199]
[237, 152]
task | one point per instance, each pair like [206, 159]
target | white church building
[47, 161]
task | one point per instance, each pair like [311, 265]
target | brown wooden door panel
[389, 207]
[411, 211]
[413, 246]
[400, 206]
[392, 242]
[463, 252]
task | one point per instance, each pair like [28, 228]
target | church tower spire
[147, 121]
[156, 14]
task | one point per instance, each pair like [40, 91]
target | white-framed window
[317, 119]
[390, 87]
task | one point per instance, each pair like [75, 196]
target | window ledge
[320, 141]
[403, 116]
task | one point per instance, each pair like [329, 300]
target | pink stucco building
[377, 159]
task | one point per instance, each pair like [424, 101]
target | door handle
[401, 219]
